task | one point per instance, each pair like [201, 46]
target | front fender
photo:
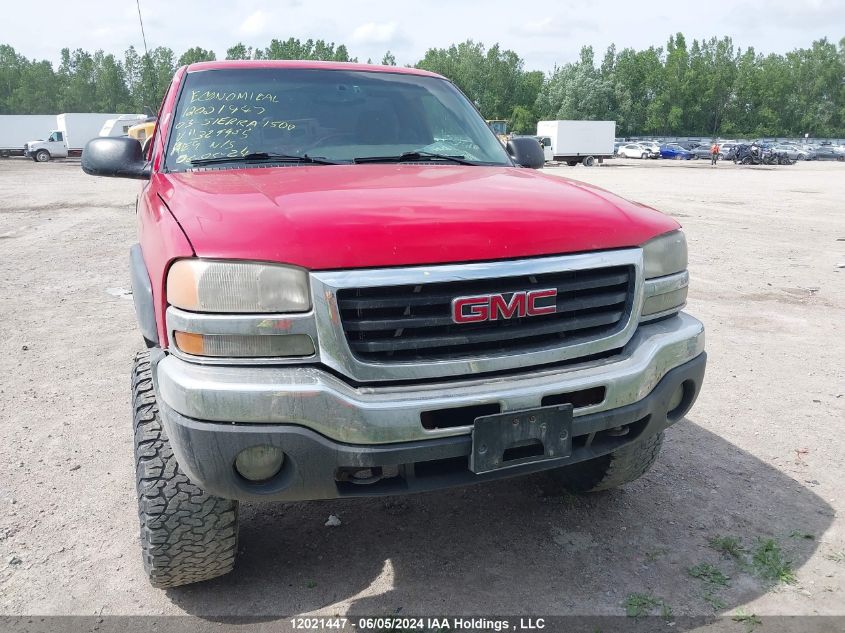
[142, 296]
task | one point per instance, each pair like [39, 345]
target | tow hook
[365, 476]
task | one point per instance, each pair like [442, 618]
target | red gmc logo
[495, 307]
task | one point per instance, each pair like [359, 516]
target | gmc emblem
[495, 307]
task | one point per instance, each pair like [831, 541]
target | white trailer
[120, 126]
[73, 130]
[17, 129]
[574, 142]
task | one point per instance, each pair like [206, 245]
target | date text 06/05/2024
[478, 624]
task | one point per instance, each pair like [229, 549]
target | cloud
[545, 26]
[552, 27]
[375, 33]
[254, 24]
[757, 15]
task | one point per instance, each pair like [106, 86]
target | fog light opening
[259, 463]
[679, 402]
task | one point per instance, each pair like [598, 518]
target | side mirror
[116, 157]
[526, 152]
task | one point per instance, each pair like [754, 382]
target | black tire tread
[612, 470]
[187, 535]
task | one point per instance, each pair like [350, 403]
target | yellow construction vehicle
[500, 129]
[143, 133]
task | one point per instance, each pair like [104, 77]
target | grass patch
[766, 559]
[638, 605]
[750, 620]
[655, 554]
[768, 562]
[836, 557]
[311, 584]
[802, 535]
[728, 546]
[709, 574]
[713, 600]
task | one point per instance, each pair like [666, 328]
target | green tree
[493, 78]
[576, 91]
[148, 76]
[388, 59]
[196, 54]
[522, 120]
[706, 87]
[110, 91]
[76, 81]
[292, 48]
[12, 66]
[239, 51]
[36, 93]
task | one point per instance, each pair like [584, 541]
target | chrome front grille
[396, 324]
[414, 322]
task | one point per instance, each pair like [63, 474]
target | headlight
[202, 285]
[666, 278]
[665, 255]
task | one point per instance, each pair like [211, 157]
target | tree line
[708, 87]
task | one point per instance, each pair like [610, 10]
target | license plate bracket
[514, 438]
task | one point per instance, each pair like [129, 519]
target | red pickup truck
[349, 287]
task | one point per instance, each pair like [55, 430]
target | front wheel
[588, 161]
[187, 535]
[42, 156]
[643, 156]
[615, 469]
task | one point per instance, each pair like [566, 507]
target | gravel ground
[759, 457]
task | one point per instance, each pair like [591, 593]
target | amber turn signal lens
[244, 346]
[189, 342]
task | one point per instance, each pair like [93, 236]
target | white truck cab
[54, 147]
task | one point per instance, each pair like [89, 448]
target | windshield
[337, 115]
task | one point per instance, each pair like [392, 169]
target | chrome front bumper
[318, 400]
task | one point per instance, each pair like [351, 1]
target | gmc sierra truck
[349, 287]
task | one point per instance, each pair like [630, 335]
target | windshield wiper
[265, 157]
[409, 157]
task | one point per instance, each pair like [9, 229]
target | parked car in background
[795, 152]
[652, 146]
[702, 150]
[634, 150]
[828, 152]
[725, 148]
[675, 151]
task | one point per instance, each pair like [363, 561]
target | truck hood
[358, 216]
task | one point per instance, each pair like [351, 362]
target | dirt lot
[760, 456]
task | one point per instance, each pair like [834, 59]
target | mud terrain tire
[612, 470]
[186, 534]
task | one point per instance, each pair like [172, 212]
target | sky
[544, 32]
